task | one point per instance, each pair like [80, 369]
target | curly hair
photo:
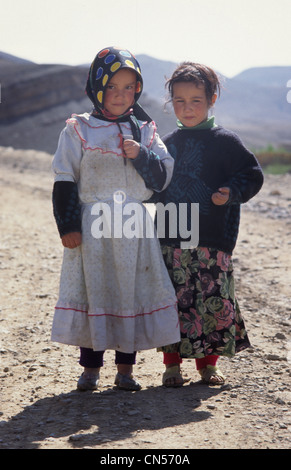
[198, 74]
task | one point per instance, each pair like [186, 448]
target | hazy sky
[228, 35]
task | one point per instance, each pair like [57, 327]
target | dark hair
[199, 75]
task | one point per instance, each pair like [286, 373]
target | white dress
[115, 292]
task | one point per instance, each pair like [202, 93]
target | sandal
[173, 372]
[126, 382]
[88, 382]
[212, 375]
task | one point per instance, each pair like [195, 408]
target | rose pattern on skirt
[209, 314]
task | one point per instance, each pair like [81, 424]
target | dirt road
[40, 406]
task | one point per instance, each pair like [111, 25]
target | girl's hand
[72, 240]
[131, 148]
[221, 196]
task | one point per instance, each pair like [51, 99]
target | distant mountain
[254, 103]
[155, 72]
[8, 58]
[36, 100]
[266, 76]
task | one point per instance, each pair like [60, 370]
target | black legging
[94, 359]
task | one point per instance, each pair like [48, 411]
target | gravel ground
[40, 406]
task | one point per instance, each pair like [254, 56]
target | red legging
[174, 358]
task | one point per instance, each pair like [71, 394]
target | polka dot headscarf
[106, 63]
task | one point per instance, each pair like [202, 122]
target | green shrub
[275, 161]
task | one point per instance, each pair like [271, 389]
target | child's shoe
[172, 377]
[212, 375]
[88, 382]
[126, 382]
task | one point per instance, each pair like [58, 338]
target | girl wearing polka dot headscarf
[105, 65]
[115, 292]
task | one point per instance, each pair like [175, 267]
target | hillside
[38, 98]
[269, 76]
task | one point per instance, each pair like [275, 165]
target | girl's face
[120, 91]
[190, 103]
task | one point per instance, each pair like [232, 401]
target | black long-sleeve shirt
[205, 160]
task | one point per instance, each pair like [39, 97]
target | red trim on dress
[113, 315]
[75, 122]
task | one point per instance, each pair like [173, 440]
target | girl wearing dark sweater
[213, 169]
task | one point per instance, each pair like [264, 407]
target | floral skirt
[210, 318]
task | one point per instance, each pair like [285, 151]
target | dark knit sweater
[205, 160]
